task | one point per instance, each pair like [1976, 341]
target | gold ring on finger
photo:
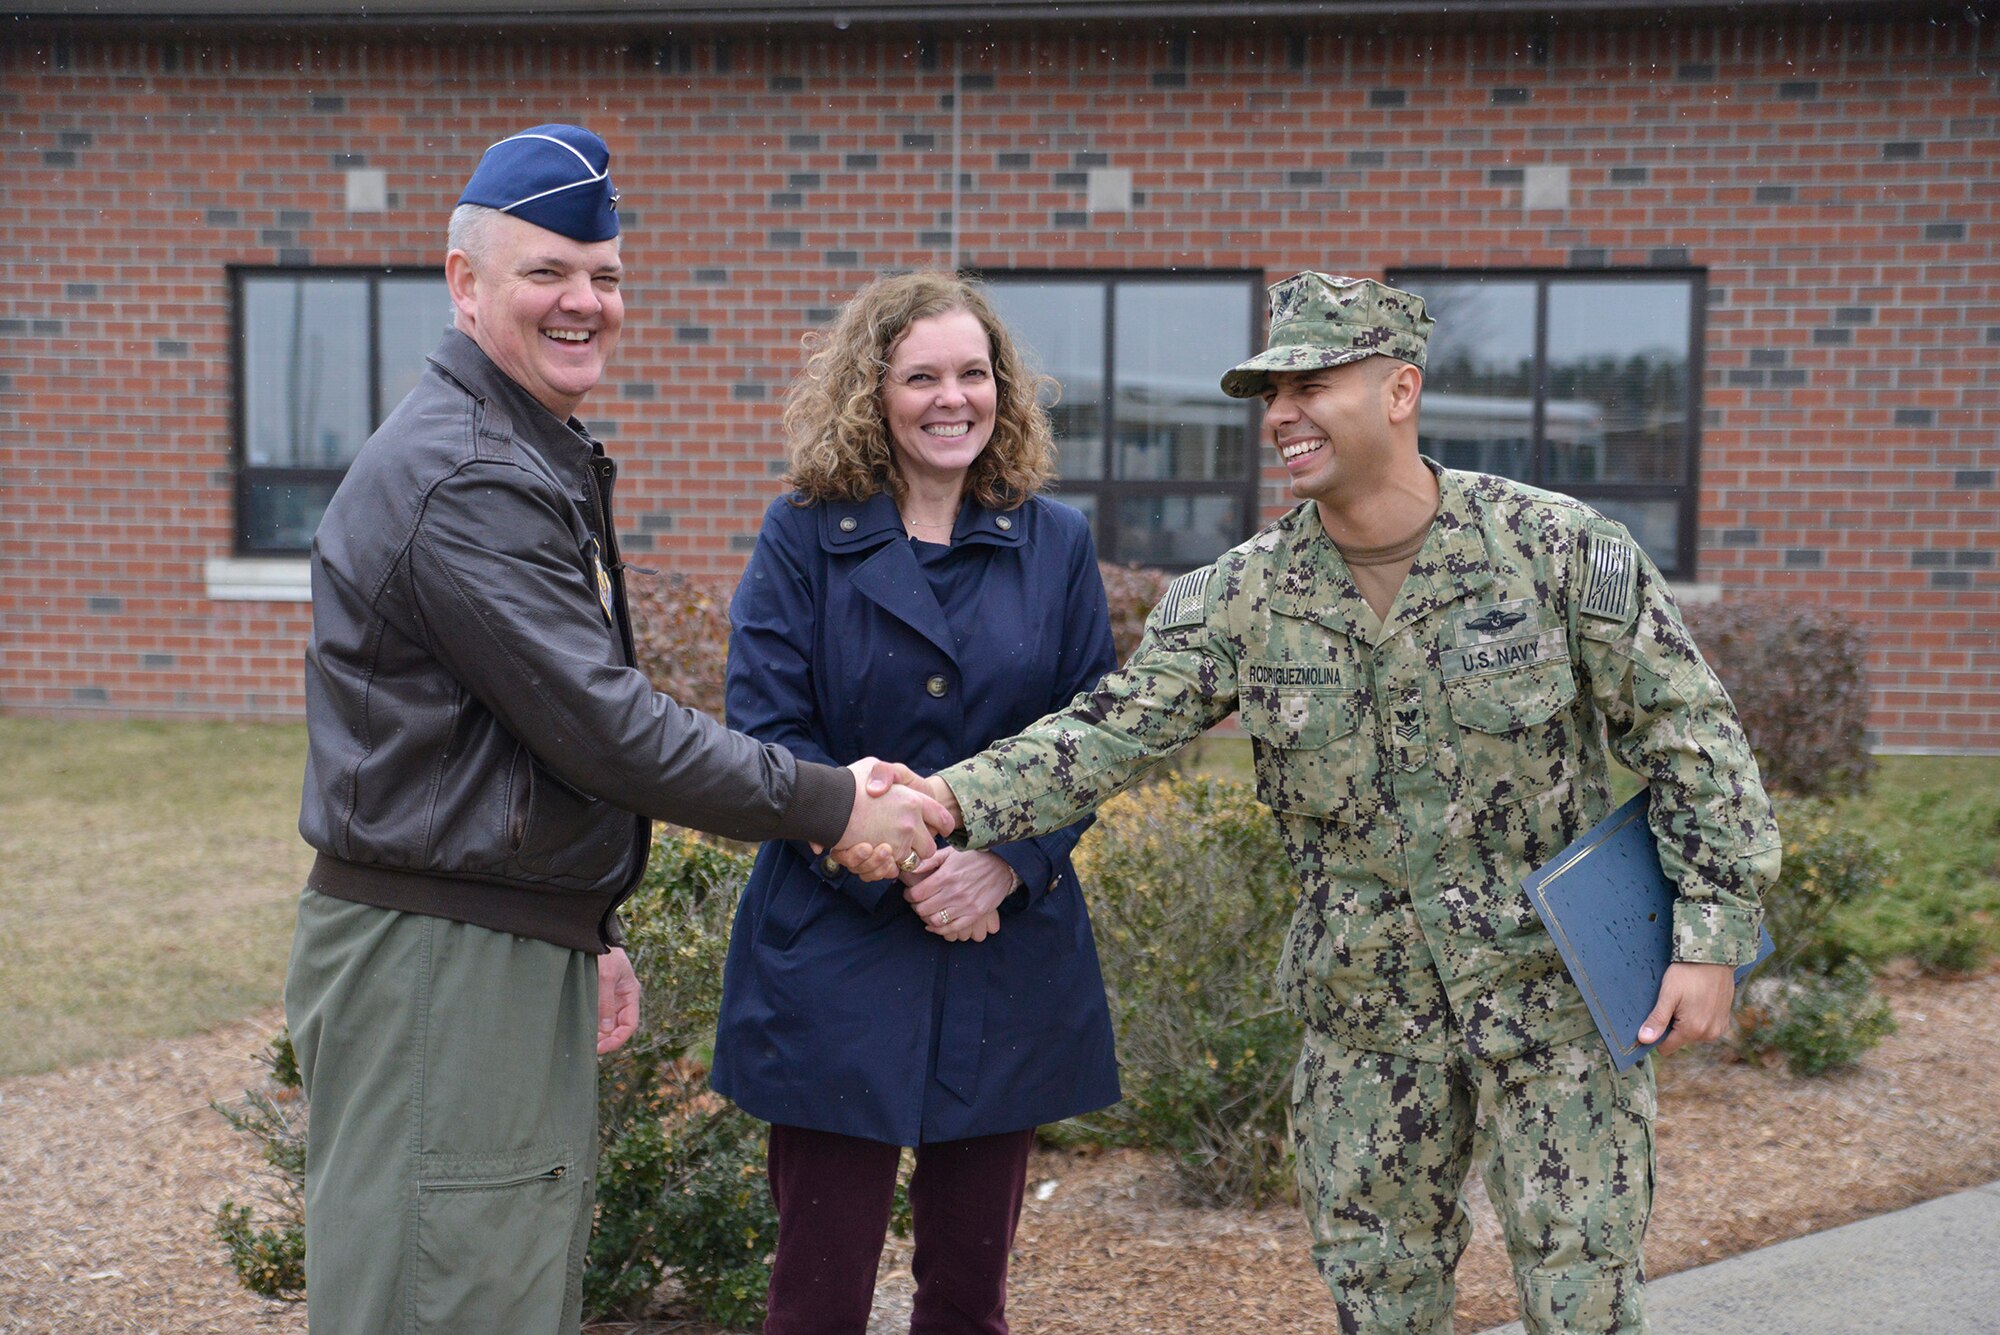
[910, 863]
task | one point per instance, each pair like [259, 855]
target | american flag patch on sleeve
[1608, 582]
[1181, 604]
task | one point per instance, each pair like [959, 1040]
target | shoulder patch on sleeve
[1181, 604]
[1610, 573]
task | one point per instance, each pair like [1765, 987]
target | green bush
[1821, 1022]
[1814, 1002]
[681, 1184]
[270, 1260]
[1799, 677]
[1949, 938]
[1828, 863]
[681, 1187]
[1190, 893]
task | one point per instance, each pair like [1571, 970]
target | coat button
[828, 867]
[1003, 523]
[849, 524]
[937, 686]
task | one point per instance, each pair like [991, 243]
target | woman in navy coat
[912, 598]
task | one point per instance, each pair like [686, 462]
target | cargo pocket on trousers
[493, 1241]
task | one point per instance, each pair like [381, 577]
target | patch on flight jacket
[603, 583]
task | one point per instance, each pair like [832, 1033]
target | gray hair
[470, 229]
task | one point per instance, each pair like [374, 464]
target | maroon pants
[834, 1194]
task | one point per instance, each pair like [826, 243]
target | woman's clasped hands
[958, 893]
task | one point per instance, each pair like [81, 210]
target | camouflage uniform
[1419, 768]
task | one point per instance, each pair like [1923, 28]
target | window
[1163, 462]
[321, 358]
[1586, 384]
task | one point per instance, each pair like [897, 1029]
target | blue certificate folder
[1611, 911]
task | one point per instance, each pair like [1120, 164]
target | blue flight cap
[554, 176]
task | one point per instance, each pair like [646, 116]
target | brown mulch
[110, 1174]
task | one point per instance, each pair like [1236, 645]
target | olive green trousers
[451, 1156]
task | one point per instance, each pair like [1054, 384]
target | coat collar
[888, 574]
[1314, 583]
[856, 526]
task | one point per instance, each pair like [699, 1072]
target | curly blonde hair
[834, 428]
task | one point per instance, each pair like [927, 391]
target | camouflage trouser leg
[1571, 1177]
[1384, 1145]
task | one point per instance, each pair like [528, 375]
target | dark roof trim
[603, 14]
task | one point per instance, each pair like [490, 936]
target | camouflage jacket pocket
[1507, 702]
[1313, 755]
[1515, 731]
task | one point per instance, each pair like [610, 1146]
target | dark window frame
[1686, 492]
[244, 475]
[1108, 489]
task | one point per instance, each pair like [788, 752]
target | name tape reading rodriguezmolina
[1290, 674]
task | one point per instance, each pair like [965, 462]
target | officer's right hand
[893, 821]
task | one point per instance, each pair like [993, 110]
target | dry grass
[147, 878]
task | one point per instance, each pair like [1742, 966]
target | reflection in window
[322, 358]
[1582, 384]
[1140, 360]
[305, 370]
[1618, 355]
[1059, 327]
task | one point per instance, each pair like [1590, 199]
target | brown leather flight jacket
[481, 745]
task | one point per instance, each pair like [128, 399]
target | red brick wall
[1836, 183]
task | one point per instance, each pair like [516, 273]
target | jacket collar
[1452, 563]
[888, 574]
[509, 408]
[856, 526]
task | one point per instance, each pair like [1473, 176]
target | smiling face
[939, 397]
[545, 308]
[1334, 427]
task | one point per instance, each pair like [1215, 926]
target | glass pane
[1479, 380]
[414, 313]
[1060, 329]
[1618, 381]
[281, 516]
[305, 370]
[1177, 531]
[1175, 339]
[1086, 501]
[1656, 525]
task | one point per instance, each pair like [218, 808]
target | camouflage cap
[1319, 320]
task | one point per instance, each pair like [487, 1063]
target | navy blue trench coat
[839, 1011]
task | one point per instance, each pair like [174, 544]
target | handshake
[892, 834]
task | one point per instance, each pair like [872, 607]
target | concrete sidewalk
[1933, 1269]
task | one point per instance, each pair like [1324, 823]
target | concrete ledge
[257, 579]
